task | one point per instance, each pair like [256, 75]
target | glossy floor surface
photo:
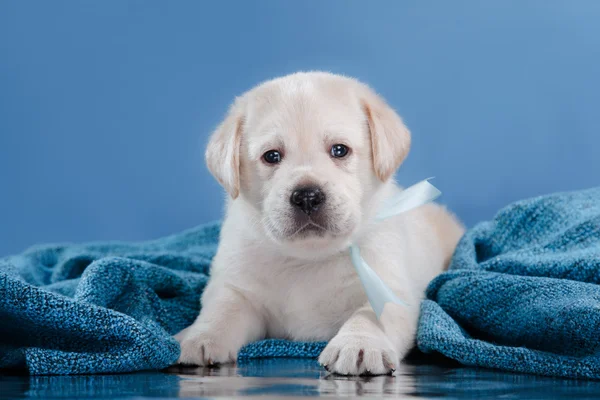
[298, 378]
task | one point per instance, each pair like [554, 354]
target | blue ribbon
[377, 291]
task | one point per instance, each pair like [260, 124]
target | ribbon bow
[377, 291]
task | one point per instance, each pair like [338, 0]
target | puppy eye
[272, 157]
[339, 151]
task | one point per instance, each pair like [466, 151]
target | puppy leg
[365, 345]
[227, 322]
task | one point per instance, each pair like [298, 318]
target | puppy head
[309, 153]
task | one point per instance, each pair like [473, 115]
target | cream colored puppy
[308, 160]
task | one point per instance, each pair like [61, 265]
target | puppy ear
[223, 151]
[390, 138]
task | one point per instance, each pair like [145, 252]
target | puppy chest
[314, 307]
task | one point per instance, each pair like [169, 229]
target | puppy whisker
[311, 222]
[299, 229]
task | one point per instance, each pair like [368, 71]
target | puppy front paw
[359, 354]
[204, 348]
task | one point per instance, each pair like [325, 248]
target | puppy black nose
[308, 199]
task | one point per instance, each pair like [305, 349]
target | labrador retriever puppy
[308, 160]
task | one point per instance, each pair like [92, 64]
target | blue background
[105, 106]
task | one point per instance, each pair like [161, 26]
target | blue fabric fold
[522, 292]
[110, 307]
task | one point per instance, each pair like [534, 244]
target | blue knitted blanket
[110, 307]
[522, 293]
